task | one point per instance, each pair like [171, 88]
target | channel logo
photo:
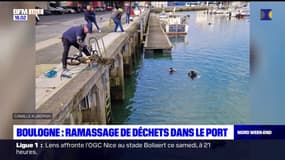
[20, 17]
[22, 14]
[266, 14]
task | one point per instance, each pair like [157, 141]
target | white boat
[221, 12]
[163, 16]
[177, 24]
[174, 24]
[245, 12]
[242, 14]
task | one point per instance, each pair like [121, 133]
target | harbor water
[219, 51]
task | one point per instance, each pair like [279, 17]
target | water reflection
[158, 55]
[177, 39]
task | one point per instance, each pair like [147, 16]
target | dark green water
[219, 52]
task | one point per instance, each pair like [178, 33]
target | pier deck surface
[156, 37]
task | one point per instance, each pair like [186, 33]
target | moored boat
[176, 24]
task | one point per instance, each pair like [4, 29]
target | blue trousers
[66, 46]
[95, 22]
[128, 18]
[89, 26]
[118, 23]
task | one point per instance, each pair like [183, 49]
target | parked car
[60, 9]
[46, 11]
[109, 8]
[57, 10]
[99, 9]
[78, 9]
[68, 10]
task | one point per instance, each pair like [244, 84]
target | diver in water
[192, 74]
[171, 70]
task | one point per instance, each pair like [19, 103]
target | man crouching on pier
[74, 36]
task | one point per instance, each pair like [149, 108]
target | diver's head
[192, 74]
[171, 70]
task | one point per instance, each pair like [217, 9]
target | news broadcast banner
[147, 132]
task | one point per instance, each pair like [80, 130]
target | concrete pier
[156, 39]
[86, 97]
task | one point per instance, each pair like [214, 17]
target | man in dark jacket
[74, 36]
[89, 17]
[93, 13]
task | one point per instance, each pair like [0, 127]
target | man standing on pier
[89, 18]
[128, 13]
[93, 13]
[117, 19]
[74, 36]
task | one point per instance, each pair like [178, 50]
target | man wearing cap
[74, 36]
[117, 20]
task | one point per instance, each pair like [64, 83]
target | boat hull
[176, 33]
[176, 29]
